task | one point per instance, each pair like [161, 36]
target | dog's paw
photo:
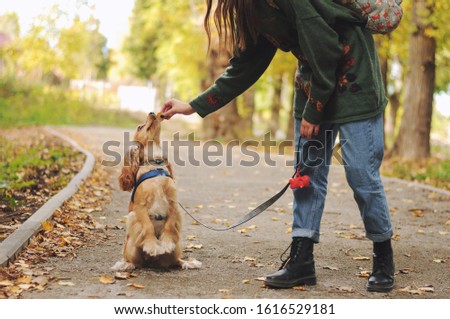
[167, 246]
[123, 265]
[190, 264]
[152, 248]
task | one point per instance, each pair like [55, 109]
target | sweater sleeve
[321, 48]
[244, 70]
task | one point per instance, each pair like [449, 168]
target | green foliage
[167, 43]
[76, 51]
[82, 47]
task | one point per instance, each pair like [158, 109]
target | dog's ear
[129, 170]
[127, 178]
[170, 169]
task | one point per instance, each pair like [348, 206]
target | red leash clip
[299, 181]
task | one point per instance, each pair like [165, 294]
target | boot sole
[308, 281]
[379, 289]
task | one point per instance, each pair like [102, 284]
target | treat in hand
[160, 117]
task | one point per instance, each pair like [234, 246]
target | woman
[338, 88]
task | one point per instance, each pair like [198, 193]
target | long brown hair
[234, 21]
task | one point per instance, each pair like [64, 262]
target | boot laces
[382, 263]
[294, 246]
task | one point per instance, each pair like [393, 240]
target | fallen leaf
[41, 280]
[361, 258]
[396, 237]
[25, 286]
[6, 283]
[345, 289]
[289, 230]
[107, 280]
[420, 231]
[226, 297]
[417, 212]
[246, 281]
[330, 268]
[48, 225]
[136, 286]
[191, 237]
[439, 261]
[427, 289]
[275, 219]
[65, 283]
[260, 279]
[224, 291]
[406, 271]
[122, 275]
[252, 227]
[300, 288]
[246, 258]
[410, 290]
[443, 233]
[447, 223]
[24, 280]
[363, 274]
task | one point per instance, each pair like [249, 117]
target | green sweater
[338, 77]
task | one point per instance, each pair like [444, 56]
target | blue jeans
[362, 153]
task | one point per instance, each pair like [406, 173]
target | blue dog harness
[148, 175]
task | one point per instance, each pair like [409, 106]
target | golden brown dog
[154, 221]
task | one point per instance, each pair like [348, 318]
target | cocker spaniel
[154, 220]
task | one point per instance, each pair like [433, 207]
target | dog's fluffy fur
[154, 221]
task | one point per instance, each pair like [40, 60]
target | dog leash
[296, 181]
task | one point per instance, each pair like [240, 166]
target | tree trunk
[291, 125]
[383, 57]
[413, 141]
[248, 100]
[223, 123]
[274, 122]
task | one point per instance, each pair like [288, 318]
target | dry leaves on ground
[73, 226]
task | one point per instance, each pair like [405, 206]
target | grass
[28, 105]
[38, 164]
[433, 171]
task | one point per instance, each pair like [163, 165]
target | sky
[113, 15]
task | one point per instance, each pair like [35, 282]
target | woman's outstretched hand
[172, 107]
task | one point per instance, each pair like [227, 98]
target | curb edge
[19, 239]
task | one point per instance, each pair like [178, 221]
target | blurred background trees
[165, 49]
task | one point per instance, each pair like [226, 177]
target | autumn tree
[9, 32]
[83, 49]
[413, 141]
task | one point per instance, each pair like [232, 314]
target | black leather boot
[298, 269]
[382, 277]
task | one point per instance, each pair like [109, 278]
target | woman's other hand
[308, 130]
[172, 107]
